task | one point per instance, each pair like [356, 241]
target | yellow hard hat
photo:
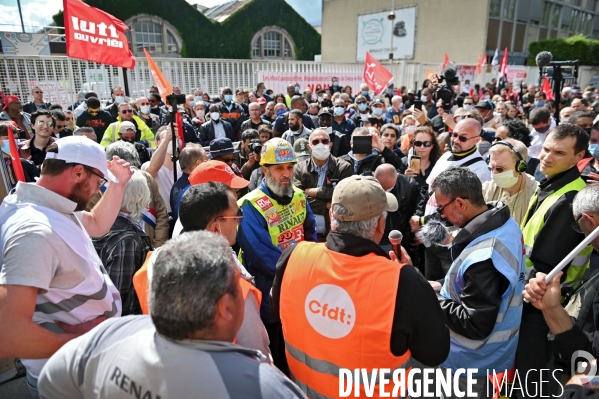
[276, 151]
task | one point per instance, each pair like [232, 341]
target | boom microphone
[544, 58]
[395, 238]
[433, 232]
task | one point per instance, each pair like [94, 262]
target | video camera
[174, 99]
[256, 146]
[443, 91]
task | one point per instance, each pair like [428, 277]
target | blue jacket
[260, 256]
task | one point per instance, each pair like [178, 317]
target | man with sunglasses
[94, 117]
[37, 103]
[48, 258]
[318, 176]
[142, 131]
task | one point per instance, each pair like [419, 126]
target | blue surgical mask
[539, 103]
[362, 107]
[297, 89]
[335, 84]
[192, 104]
[6, 146]
[228, 97]
[119, 99]
[424, 99]
[365, 93]
[280, 112]
[338, 111]
[197, 99]
[593, 149]
[377, 111]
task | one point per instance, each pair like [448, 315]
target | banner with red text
[95, 35]
[278, 81]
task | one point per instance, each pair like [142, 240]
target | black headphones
[521, 164]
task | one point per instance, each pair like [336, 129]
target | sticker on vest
[264, 203]
[272, 217]
[289, 237]
[284, 155]
[330, 311]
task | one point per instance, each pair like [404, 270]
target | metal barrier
[61, 77]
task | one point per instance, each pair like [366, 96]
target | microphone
[395, 238]
[433, 232]
[543, 59]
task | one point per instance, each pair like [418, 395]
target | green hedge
[203, 38]
[575, 47]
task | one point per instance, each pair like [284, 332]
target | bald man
[407, 192]
[565, 114]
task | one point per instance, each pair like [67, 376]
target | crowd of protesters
[277, 198]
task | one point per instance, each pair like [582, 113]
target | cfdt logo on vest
[330, 310]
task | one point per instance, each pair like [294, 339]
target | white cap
[81, 150]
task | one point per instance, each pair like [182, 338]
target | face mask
[214, 116]
[228, 98]
[362, 107]
[169, 149]
[329, 130]
[466, 87]
[365, 93]
[154, 107]
[377, 111]
[314, 118]
[192, 104]
[505, 179]
[197, 99]
[410, 129]
[487, 97]
[297, 89]
[119, 99]
[335, 84]
[145, 109]
[588, 130]
[338, 111]
[593, 149]
[321, 152]
[539, 103]
[6, 146]
[543, 129]
[390, 91]
[467, 106]
[280, 112]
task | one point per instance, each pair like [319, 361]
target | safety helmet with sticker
[277, 151]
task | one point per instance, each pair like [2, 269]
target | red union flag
[376, 76]
[95, 35]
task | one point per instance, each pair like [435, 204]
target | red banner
[14, 156]
[445, 62]
[95, 35]
[376, 76]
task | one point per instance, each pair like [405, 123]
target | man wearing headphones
[510, 184]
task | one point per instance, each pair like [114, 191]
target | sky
[37, 13]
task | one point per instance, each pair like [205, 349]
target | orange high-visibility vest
[142, 286]
[337, 312]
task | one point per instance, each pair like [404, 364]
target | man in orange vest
[336, 303]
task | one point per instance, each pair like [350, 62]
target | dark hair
[297, 113]
[539, 115]
[265, 129]
[436, 151]
[90, 94]
[549, 104]
[59, 115]
[569, 130]
[93, 102]
[249, 134]
[55, 107]
[42, 112]
[579, 114]
[157, 97]
[517, 130]
[279, 95]
[5, 125]
[202, 203]
[294, 99]
[258, 85]
[392, 127]
[459, 182]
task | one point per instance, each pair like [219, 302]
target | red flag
[376, 76]
[503, 65]
[164, 86]
[179, 120]
[14, 156]
[95, 35]
[479, 64]
[547, 89]
[445, 62]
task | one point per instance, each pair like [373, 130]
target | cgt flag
[376, 75]
[95, 35]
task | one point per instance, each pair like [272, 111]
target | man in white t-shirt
[161, 165]
[53, 286]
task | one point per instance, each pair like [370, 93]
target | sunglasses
[60, 127]
[462, 139]
[440, 208]
[142, 104]
[323, 141]
[129, 111]
[499, 169]
[227, 160]
[38, 92]
[423, 143]
[42, 123]
[153, 101]
[237, 218]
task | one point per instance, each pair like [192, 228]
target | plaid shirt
[123, 251]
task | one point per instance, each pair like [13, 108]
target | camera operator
[248, 157]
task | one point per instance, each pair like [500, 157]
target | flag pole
[21, 15]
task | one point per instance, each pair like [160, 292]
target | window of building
[495, 8]
[509, 7]
[272, 42]
[546, 14]
[555, 16]
[155, 35]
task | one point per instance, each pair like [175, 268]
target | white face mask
[410, 129]
[145, 109]
[505, 179]
[200, 113]
[214, 116]
[321, 151]
[169, 149]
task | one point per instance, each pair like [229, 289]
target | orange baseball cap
[216, 171]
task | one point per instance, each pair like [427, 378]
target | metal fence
[61, 77]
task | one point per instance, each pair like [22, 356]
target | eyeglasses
[463, 139]
[323, 141]
[42, 123]
[59, 127]
[237, 218]
[576, 225]
[423, 143]
[499, 169]
[153, 101]
[102, 180]
[38, 92]
[361, 102]
[127, 111]
[142, 104]
[440, 208]
[227, 160]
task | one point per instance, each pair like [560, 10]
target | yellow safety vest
[530, 228]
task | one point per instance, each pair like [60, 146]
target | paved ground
[16, 389]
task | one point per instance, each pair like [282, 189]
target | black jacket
[369, 164]
[30, 107]
[207, 132]
[418, 324]
[113, 110]
[235, 116]
[475, 315]
[304, 177]
[340, 143]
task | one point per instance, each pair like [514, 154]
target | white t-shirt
[164, 179]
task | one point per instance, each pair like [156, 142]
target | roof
[221, 12]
